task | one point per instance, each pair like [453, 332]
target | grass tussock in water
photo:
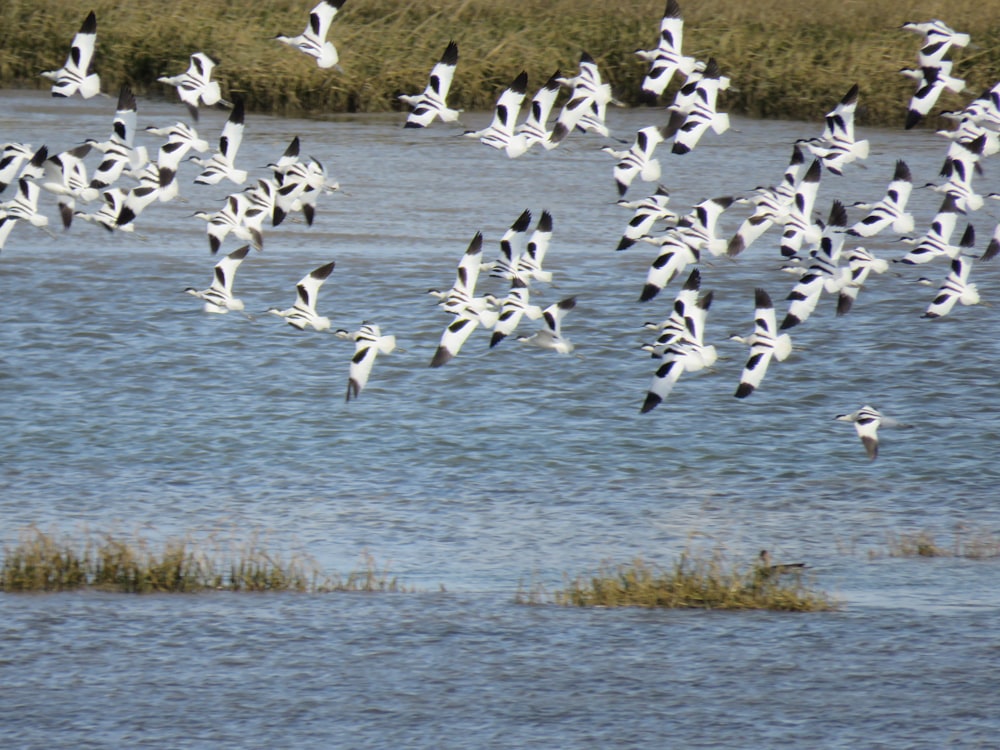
[786, 58]
[42, 562]
[967, 543]
[706, 582]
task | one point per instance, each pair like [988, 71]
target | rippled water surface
[124, 407]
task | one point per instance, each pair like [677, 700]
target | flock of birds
[820, 253]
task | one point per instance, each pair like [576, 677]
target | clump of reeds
[785, 59]
[42, 562]
[967, 543]
[703, 582]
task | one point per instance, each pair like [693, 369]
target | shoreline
[783, 63]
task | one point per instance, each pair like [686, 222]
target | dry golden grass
[705, 581]
[786, 58]
[43, 562]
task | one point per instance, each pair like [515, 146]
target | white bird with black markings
[219, 298]
[866, 422]
[799, 224]
[939, 38]
[550, 335]
[181, 138]
[932, 81]
[461, 299]
[698, 227]
[107, 215]
[312, 41]
[513, 308]
[956, 288]
[511, 247]
[765, 343]
[529, 265]
[666, 59]
[771, 205]
[683, 320]
[891, 210]
[6, 226]
[65, 175]
[303, 313]
[687, 354]
[12, 157]
[300, 188]
[24, 205]
[432, 103]
[860, 263]
[500, 132]
[824, 273]
[222, 165]
[837, 146]
[704, 113]
[639, 160]
[588, 101]
[120, 152]
[675, 255]
[454, 336]
[648, 212]
[534, 129]
[369, 342]
[77, 75]
[239, 217]
[936, 242]
[959, 168]
[195, 86]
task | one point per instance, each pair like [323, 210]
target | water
[124, 407]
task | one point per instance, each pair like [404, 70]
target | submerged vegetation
[703, 582]
[785, 57]
[42, 562]
[966, 543]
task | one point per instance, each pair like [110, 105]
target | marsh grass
[972, 544]
[706, 581]
[42, 562]
[786, 58]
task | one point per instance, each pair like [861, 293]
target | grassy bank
[702, 581]
[786, 58]
[44, 562]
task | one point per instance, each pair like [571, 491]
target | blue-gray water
[124, 407]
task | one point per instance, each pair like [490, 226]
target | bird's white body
[222, 165]
[866, 422]
[513, 308]
[499, 134]
[666, 59]
[765, 343]
[771, 206]
[936, 242]
[639, 160]
[77, 74]
[312, 41]
[702, 113]
[369, 342]
[432, 103]
[675, 255]
[956, 288]
[891, 210]
[195, 86]
[218, 298]
[799, 224]
[647, 213]
[511, 247]
[550, 335]
[303, 313]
